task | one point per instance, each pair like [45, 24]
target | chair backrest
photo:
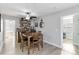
[40, 35]
[35, 36]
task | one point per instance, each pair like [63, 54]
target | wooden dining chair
[40, 35]
[35, 41]
[24, 41]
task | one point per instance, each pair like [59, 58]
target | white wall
[53, 30]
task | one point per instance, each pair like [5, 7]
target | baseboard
[1, 47]
[52, 44]
[76, 44]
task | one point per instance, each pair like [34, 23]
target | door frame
[62, 29]
[61, 22]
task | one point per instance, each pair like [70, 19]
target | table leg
[42, 42]
[28, 45]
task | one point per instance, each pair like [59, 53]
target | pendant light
[28, 15]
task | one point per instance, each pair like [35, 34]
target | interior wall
[52, 31]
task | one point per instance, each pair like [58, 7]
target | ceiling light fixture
[28, 15]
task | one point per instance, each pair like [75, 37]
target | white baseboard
[76, 44]
[52, 44]
[1, 47]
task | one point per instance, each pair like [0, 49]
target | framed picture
[36, 24]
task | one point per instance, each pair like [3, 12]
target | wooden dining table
[29, 44]
[29, 39]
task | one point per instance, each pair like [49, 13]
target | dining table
[29, 36]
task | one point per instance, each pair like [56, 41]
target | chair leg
[22, 47]
[33, 48]
[38, 46]
[28, 51]
[41, 43]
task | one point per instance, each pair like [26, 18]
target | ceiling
[38, 9]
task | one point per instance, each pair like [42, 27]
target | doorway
[68, 29]
[67, 34]
[9, 36]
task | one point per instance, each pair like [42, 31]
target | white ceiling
[39, 9]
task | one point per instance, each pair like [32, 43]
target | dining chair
[40, 38]
[35, 41]
[24, 41]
